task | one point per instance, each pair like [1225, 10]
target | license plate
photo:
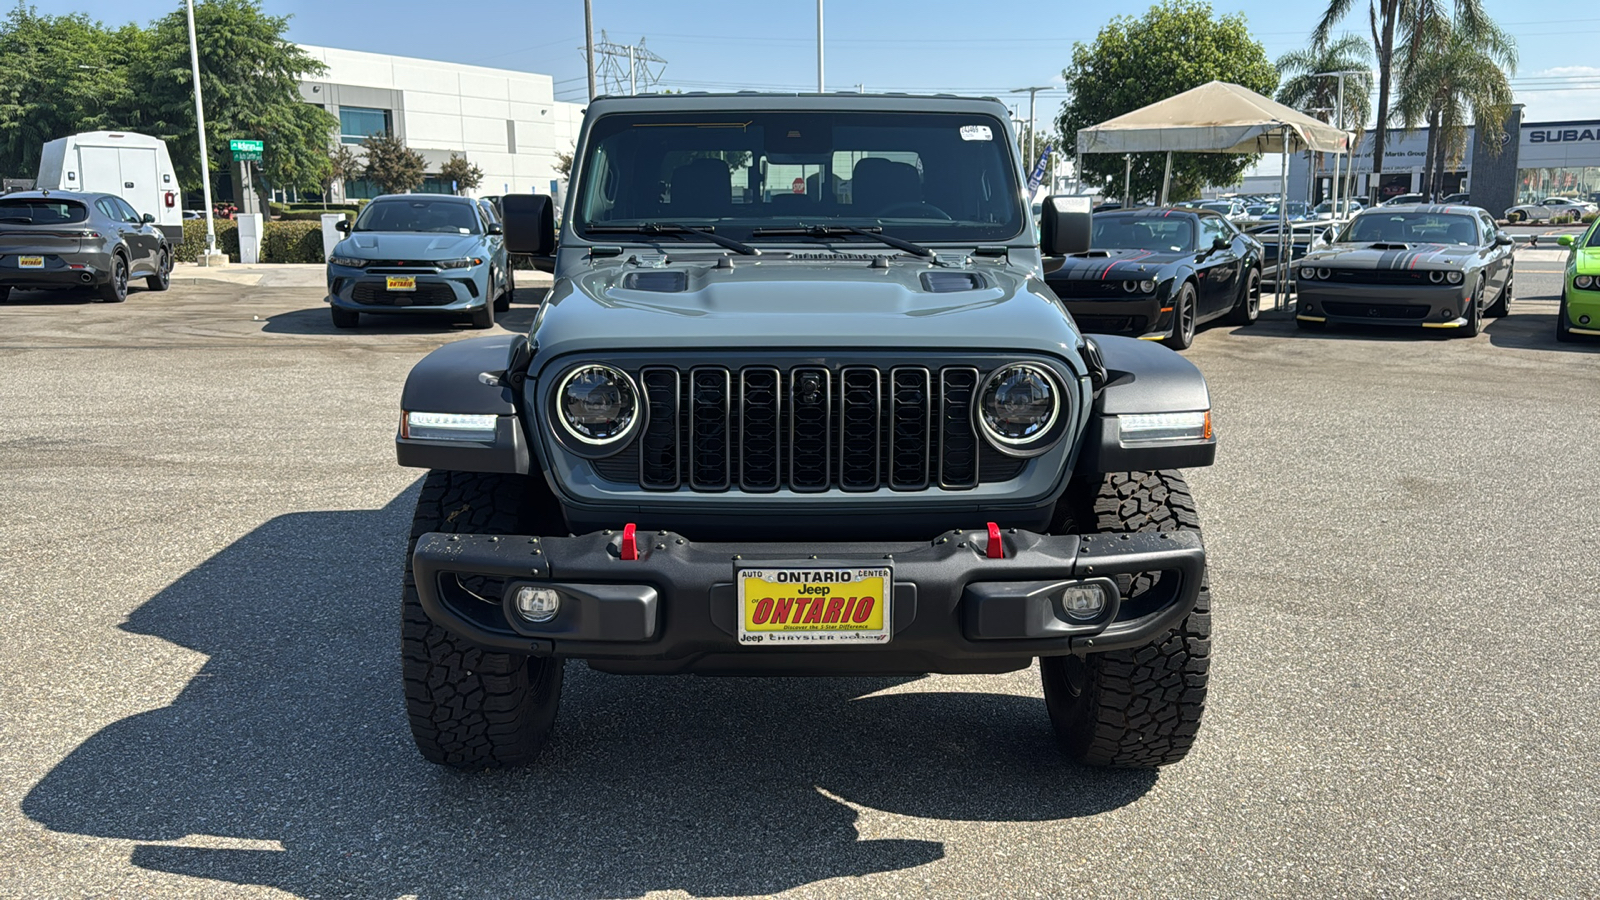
[30, 262]
[814, 606]
[402, 282]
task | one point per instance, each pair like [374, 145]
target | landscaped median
[281, 242]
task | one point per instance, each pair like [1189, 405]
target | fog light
[536, 604]
[1583, 320]
[1083, 601]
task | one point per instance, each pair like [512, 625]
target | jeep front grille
[811, 428]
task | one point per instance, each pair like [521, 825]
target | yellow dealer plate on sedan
[402, 282]
[30, 262]
[826, 606]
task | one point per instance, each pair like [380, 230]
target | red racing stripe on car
[1114, 263]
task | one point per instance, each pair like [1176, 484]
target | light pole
[588, 41]
[200, 125]
[1349, 164]
[819, 46]
[1033, 93]
[1310, 188]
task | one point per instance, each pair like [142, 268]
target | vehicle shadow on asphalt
[316, 320]
[294, 732]
[74, 297]
[1536, 331]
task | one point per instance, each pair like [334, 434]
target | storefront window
[1576, 182]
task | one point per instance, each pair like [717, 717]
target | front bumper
[1583, 310]
[1139, 316]
[675, 608]
[438, 291]
[1442, 306]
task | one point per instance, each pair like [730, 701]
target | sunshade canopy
[1216, 117]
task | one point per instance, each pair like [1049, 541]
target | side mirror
[530, 223]
[1220, 243]
[342, 226]
[1065, 224]
[1501, 239]
[494, 228]
[147, 219]
[1564, 240]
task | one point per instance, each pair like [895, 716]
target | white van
[135, 167]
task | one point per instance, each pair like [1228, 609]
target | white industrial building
[505, 122]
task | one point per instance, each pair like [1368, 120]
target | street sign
[246, 151]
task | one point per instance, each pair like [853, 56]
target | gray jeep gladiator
[800, 403]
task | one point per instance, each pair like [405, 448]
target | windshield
[918, 176]
[1411, 228]
[40, 211]
[1164, 234]
[1594, 236]
[1224, 208]
[1295, 209]
[418, 214]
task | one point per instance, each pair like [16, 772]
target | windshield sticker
[976, 133]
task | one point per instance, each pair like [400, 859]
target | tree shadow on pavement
[294, 732]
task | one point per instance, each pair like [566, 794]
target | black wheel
[162, 279]
[115, 290]
[5, 292]
[1563, 330]
[502, 303]
[1502, 304]
[1142, 707]
[1248, 307]
[1474, 312]
[472, 708]
[344, 318]
[483, 316]
[1183, 313]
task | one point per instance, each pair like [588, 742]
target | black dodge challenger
[1159, 273]
[1444, 267]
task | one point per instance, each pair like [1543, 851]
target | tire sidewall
[1183, 311]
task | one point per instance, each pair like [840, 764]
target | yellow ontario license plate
[402, 282]
[30, 262]
[815, 606]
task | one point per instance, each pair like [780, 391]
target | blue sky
[912, 45]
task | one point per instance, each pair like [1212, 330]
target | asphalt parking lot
[199, 685]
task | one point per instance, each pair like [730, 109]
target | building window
[1573, 182]
[357, 124]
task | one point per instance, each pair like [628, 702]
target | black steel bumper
[675, 608]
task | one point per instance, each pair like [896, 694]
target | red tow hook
[630, 544]
[997, 547]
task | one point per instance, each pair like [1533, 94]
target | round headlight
[1583, 281]
[1308, 274]
[1147, 286]
[1453, 277]
[597, 404]
[1324, 274]
[1130, 286]
[1018, 408]
[1436, 277]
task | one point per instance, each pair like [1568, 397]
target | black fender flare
[477, 376]
[1143, 378]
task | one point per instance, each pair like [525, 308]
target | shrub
[281, 242]
[1588, 218]
[194, 239]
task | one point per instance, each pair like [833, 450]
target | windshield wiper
[675, 228]
[822, 231]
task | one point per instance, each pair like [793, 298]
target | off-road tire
[344, 318]
[483, 316]
[1134, 708]
[1502, 304]
[1184, 313]
[1248, 307]
[115, 290]
[162, 279]
[472, 708]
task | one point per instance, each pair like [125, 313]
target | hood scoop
[660, 282]
[1093, 254]
[951, 282]
[1389, 245]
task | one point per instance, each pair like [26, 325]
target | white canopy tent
[1217, 117]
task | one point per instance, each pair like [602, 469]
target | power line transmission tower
[624, 69]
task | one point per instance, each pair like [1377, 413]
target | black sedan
[1159, 273]
[1444, 267]
[54, 240]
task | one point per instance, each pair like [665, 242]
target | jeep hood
[786, 304]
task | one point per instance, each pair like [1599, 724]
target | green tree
[1177, 45]
[465, 175]
[343, 166]
[1452, 72]
[564, 163]
[1305, 88]
[392, 166]
[249, 76]
[60, 75]
[1386, 18]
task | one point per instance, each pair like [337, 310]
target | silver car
[58, 240]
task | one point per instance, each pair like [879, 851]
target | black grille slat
[709, 429]
[427, 294]
[958, 437]
[760, 429]
[860, 407]
[658, 457]
[910, 427]
[810, 407]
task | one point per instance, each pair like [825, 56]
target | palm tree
[1452, 73]
[1303, 89]
[1386, 17]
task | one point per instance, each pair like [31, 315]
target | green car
[1580, 301]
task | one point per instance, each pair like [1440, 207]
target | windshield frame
[1004, 193]
[444, 199]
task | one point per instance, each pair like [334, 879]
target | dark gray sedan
[56, 240]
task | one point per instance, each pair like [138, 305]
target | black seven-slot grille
[809, 428]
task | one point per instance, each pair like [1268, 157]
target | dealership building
[505, 122]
